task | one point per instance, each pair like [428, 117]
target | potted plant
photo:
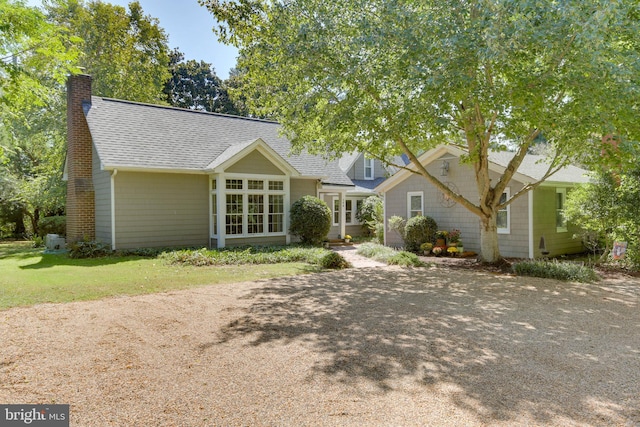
[347, 238]
[437, 251]
[426, 248]
[454, 237]
[460, 247]
[452, 250]
[441, 238]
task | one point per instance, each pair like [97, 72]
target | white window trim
[222, 191]
[370, 167]
[333, 210]
[562, 191]
[507, 229]
[354, 210]
[411, 194]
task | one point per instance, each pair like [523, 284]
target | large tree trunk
[489, 250]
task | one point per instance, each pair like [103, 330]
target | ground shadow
[509, 345]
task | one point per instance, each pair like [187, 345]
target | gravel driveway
[368, 346]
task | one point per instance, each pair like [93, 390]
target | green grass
[28, 277]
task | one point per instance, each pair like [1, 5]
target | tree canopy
[390, 77]
[125, 51]
[34, 54]
[195, 85]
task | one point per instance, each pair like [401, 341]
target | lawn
[28, 276]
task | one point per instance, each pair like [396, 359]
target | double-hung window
[368, 168]
[415, 204]
[503, 220]
[561, 222]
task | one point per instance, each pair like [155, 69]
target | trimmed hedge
[310, 220]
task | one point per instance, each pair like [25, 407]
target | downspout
[530, 209]
[113, 209]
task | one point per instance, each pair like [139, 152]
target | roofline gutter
[153, 170]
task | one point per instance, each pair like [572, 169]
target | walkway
[357, 261]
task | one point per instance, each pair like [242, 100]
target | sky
[189, 27]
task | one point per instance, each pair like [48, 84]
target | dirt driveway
[372, 346]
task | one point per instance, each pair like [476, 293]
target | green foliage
[310, 220]
[397, 224]
[34, 54]
[195, 85]
[379, 232]
[389, 255]
[370, 213]
[333, 260]
[406, 259]
[88, 249]
[555, 270]
[392, 78]
[255, 255]
[606, 209]
[52, 225]
[418, 230]
[132, 62]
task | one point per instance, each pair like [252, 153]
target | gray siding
[254, 163]
[544, 224]
[159, 209]
[102, 189]
[357, 170]
[514, 244]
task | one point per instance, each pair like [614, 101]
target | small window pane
[234, 184]
[276, 185]
[253, 184]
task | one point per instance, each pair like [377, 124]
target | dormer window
[368, 168]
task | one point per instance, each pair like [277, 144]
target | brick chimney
[80, 193]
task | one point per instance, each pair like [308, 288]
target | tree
[195, 85]
[34, 53]
[131, 62]
[390, 77]
[607, 208]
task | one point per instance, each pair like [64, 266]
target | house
[521, 225]
[142, 175]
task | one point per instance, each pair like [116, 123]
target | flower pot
[441, 242]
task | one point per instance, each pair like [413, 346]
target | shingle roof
[535, 166]
[366, 185]
[144, 136]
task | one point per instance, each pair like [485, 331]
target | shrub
[379, 232]
[418, 230]
[397, 224]
[406, 259]
[88, 249]
[389, 255]
[333, 260]
[310, 220]
[52, 225]
[555, 270]
[254, 255]
[370, 214]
